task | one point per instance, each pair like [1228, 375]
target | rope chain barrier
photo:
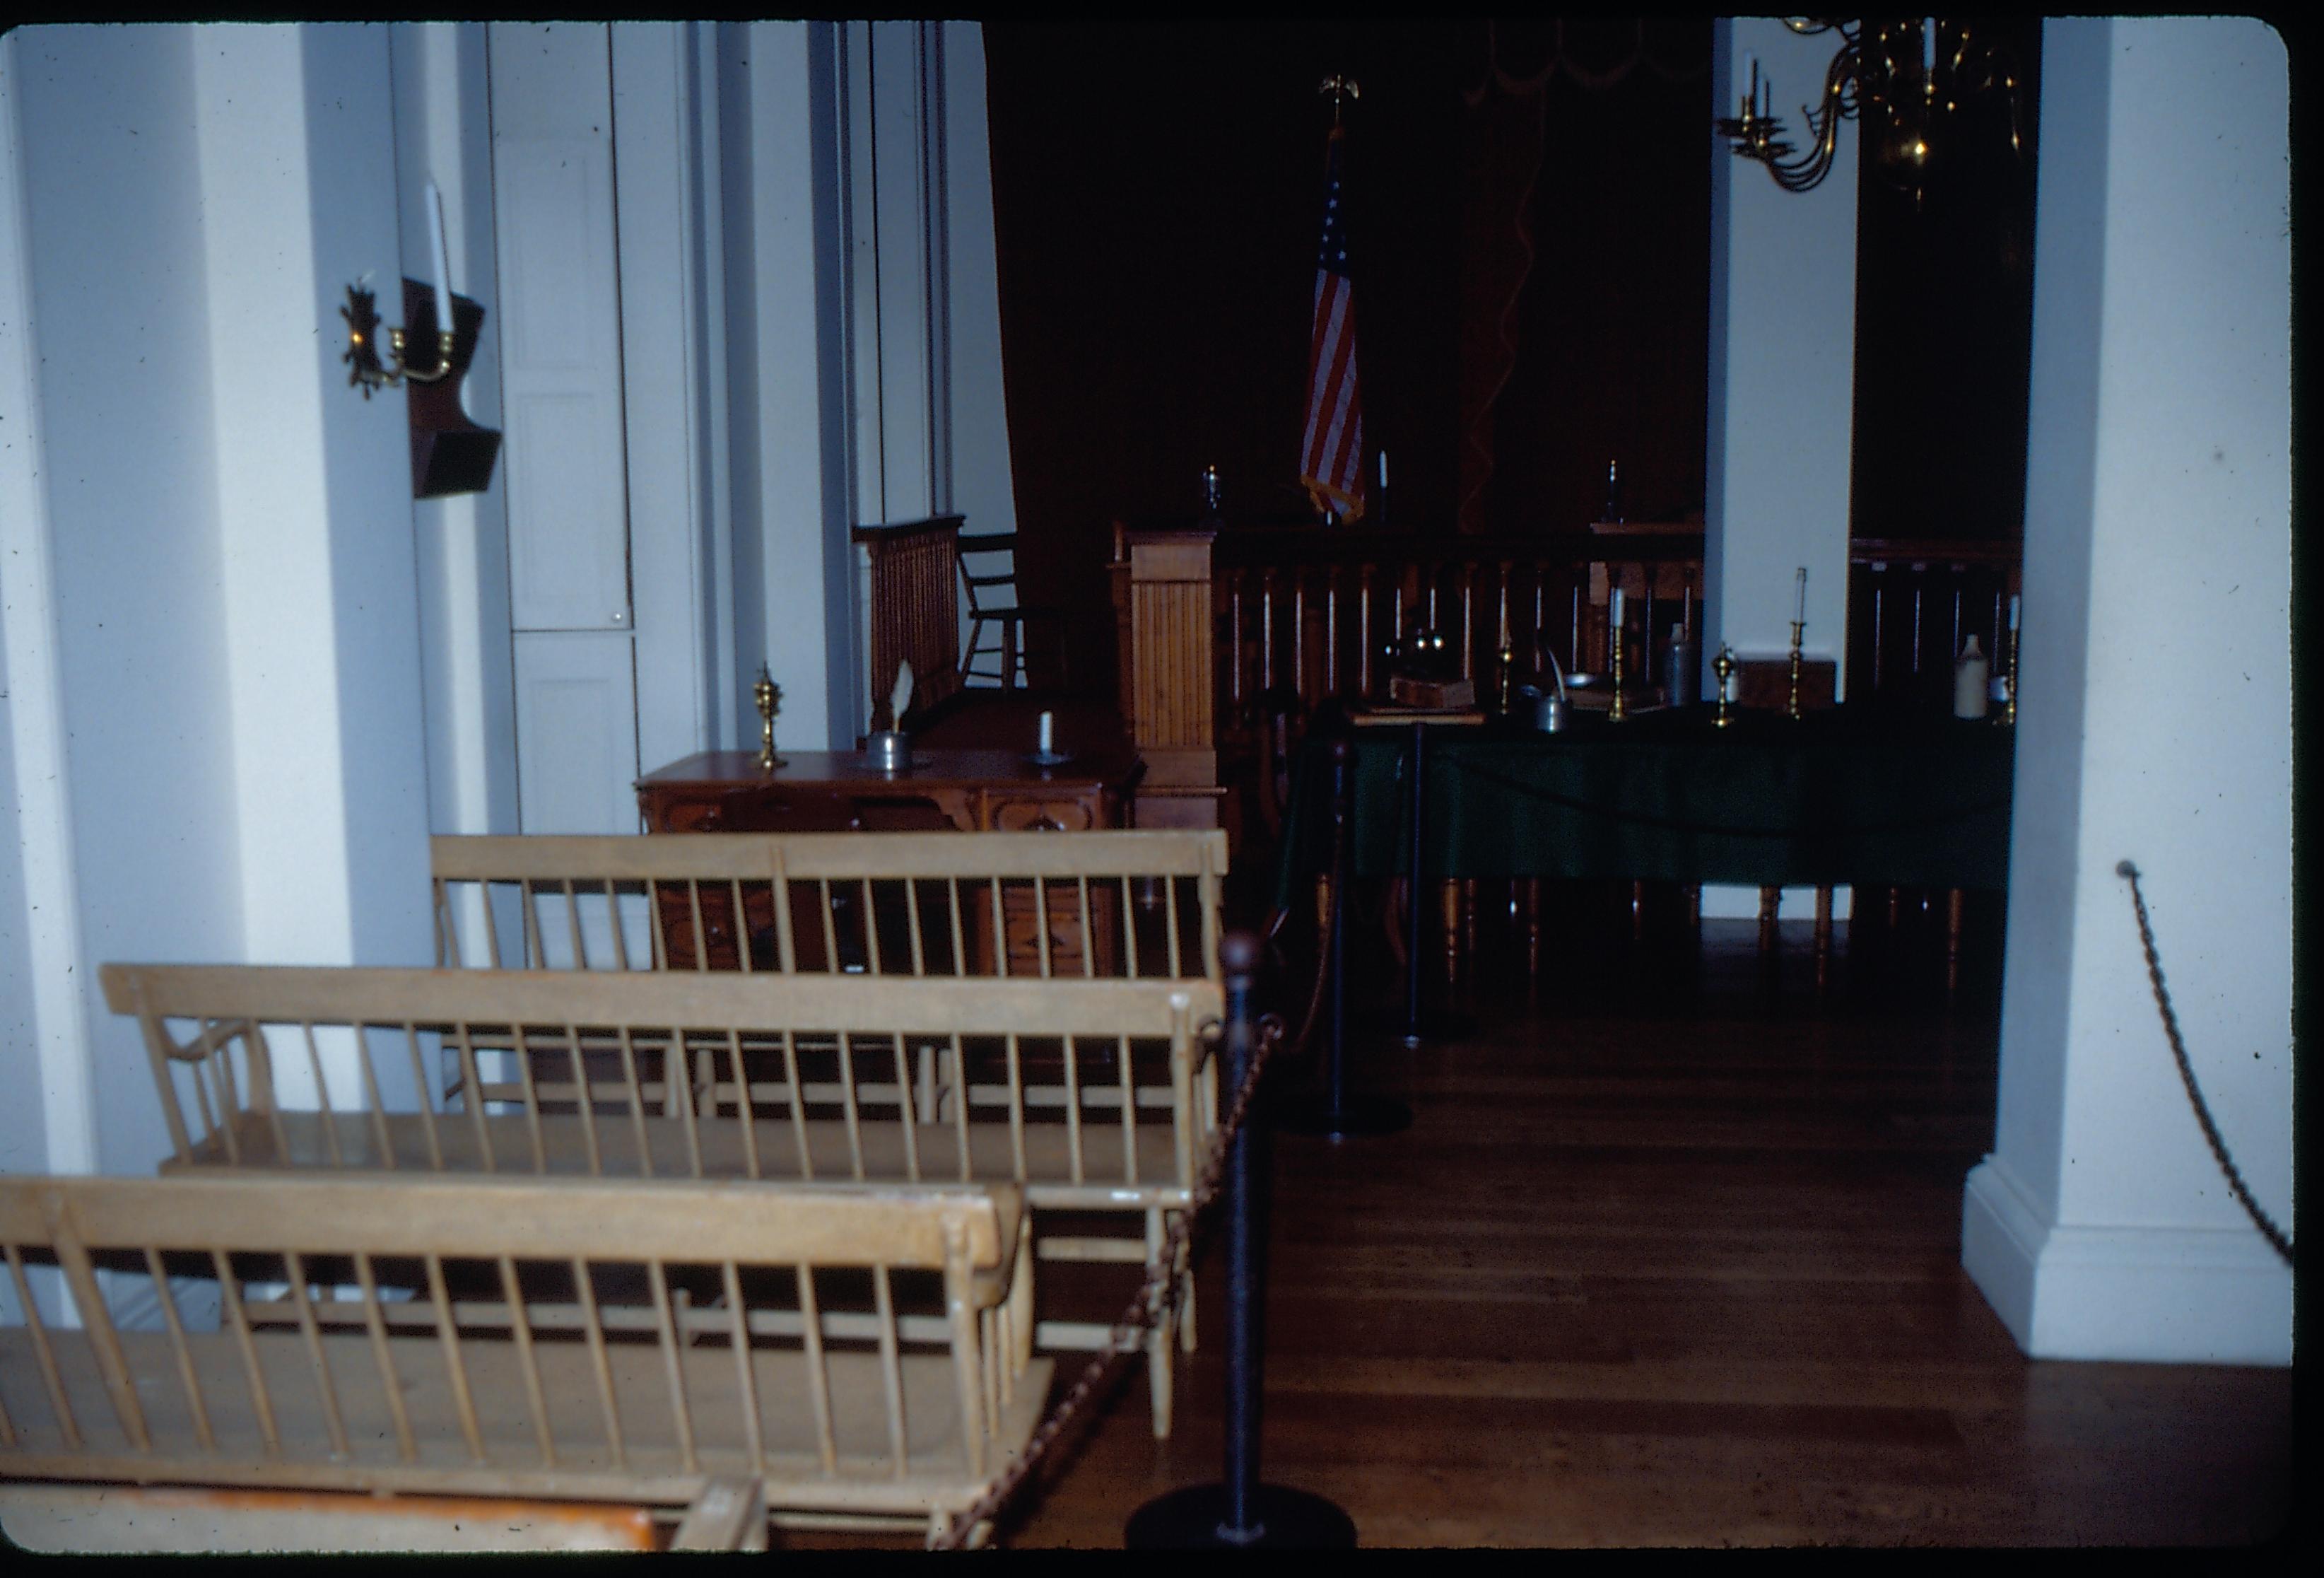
[2273, 1233]
[1164, 1285]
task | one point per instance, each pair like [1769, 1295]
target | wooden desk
[974, 791]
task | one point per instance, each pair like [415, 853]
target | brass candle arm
[366, 370]
[1793, 707]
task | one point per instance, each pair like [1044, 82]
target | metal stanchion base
[1360, 1115]
[1438, 1026]
[1193, 1518]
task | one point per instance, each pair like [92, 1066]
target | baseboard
[2158, 1295]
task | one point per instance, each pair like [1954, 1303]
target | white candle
[1048, 733]
[443, 260]
[1614, 619]
[1752, 99]
[1929, 47]
[2013, 611]
[1802, 615]
[1383, 470]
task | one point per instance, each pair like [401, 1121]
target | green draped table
[1832, 799]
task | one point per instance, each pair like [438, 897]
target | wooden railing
[1225, 634]
[1912, 605]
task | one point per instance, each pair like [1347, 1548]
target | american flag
[1331, 451]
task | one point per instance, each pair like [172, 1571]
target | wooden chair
[999, 624]
[1095, 1096]
[840, 1356]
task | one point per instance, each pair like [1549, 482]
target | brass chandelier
[1906, 78]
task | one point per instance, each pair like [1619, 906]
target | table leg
[1448, 899]
[1416, 767]
[1895, 907]
[1769, 899]
[1953, 941]
[1822, 936]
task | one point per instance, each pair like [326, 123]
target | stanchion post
[1240, 1513]
[1342, 1115]
[1418, 769]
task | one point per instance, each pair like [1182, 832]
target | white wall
[2156, 719]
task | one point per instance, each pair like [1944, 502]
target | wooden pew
[1119, 903]
[841, 1354]
[1094, 1096]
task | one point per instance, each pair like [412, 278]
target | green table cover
[1831, 798]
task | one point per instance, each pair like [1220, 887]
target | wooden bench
[1094, 1096]
[1119, 903]
[841, 1354]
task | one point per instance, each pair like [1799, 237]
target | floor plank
[1670, 1256]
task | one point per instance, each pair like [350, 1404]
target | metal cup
[1549, 713]
[890, 750]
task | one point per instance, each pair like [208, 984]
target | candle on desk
[1048, 733]
[443, 260]
[1383, 470]
[1613, 624]
[2013, 612]
[1929, 47]
[1802, 615]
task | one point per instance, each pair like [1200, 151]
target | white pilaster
[2155, 720]
[1782, 364]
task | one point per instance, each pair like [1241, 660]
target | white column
[785, 356]
[44, 1016]
[295, 131]
[1783, 378]
[977, 404]
[2155, 720]
[443, 133]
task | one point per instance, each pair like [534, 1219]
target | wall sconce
[449, 453]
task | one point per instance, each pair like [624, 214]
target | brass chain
[1163, 1288]
[2273, 1233]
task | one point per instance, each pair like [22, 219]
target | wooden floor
[1671, 1256]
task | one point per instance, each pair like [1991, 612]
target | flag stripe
[1332, 440]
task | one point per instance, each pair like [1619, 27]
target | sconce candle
[1801, 616]
[2013, 611]
[1048, 734]
[443, 260]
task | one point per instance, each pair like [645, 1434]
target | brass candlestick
[1506, 662]
[1722, 669]
[768, 695]
[1793, 707]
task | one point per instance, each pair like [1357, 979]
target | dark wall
[1944, 322]
[1528, 211]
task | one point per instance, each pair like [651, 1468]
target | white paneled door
[555, 229]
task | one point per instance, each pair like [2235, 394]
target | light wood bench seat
[1089, 1095]
[822, 1149]
[630, 1386]
[1126, 904]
